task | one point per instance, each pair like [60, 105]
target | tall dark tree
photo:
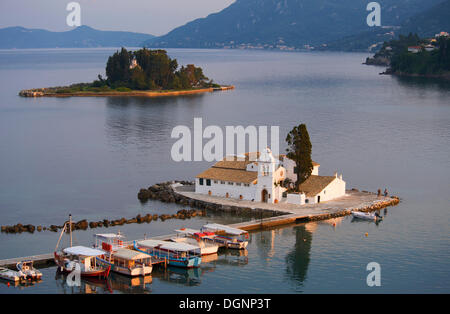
[299, 150]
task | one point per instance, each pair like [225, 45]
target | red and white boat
[194, 237]
[80, 258]
[226, 236]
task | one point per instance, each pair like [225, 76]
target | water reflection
[423, 83]
[142, 121]
[297, 260]
[20, 284]
[183, 276]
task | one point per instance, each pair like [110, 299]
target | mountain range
[287, 23]
[425, 24]
[270, 24]
[80, 37]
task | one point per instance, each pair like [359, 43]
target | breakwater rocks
[164, 192]
[377, 206]
[84, 224]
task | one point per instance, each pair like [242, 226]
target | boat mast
[70, 228]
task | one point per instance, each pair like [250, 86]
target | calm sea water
[90, 156]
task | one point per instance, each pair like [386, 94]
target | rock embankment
[165, 193]
[377, 206]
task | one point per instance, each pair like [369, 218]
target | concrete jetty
[353, 200]
[291, 213]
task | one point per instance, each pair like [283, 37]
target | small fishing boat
[366, 216]
[175, 254]
[196, 238]
[79, 257]
[11, 275]
[121, 259]
[229, 237]
[83, 258]
[26, 267]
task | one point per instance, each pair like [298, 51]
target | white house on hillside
[260, 179]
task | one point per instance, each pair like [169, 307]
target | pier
[353, 201]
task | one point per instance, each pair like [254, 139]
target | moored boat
[11, 275]
[175, 254]
[81, 258]
[197, 238]
[229, 237]
[121, 259]
[366, 216]
[27, 268]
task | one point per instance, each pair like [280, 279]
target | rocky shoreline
[52, 92]
[165, 193]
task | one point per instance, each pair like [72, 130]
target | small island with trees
[414, 56]
[143, 72]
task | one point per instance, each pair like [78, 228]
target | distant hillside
[285, 23]
[80, 37]
[425, 24]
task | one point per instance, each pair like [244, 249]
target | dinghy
[367, 216]
[26, 267]
[11, 275]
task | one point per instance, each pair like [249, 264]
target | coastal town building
[414, 49]
[260, 177]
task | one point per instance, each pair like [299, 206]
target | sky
[156, 17]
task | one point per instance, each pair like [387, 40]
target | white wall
[296, 198]
[234, 190]
[333, 190]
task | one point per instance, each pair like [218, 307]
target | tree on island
[299, 150]
[146, 69]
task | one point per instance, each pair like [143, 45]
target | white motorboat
[11, 275]
[226, 236]
[196, 238]
[26, 267]
[367, 216]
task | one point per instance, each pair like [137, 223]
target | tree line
[146, 69]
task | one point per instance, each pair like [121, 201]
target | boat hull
[366, 216]
[188, 262]
[133, 272]
[102, 272]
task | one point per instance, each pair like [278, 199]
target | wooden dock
[40, 260]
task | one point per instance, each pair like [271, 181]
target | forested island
[138, 73]
[414, 56]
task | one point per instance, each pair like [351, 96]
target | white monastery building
[259, 176]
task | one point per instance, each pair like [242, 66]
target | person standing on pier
[386, 192]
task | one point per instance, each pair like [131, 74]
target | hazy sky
[155, 17]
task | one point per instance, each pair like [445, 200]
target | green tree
[299, 150]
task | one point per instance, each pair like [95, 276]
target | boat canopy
[179, 246]
[150, 243]
[130, 254]
[219, 227]
[108, 235]
[166, 245]
[187, 231]
[83, 250]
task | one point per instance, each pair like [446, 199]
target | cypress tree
[299, 150]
